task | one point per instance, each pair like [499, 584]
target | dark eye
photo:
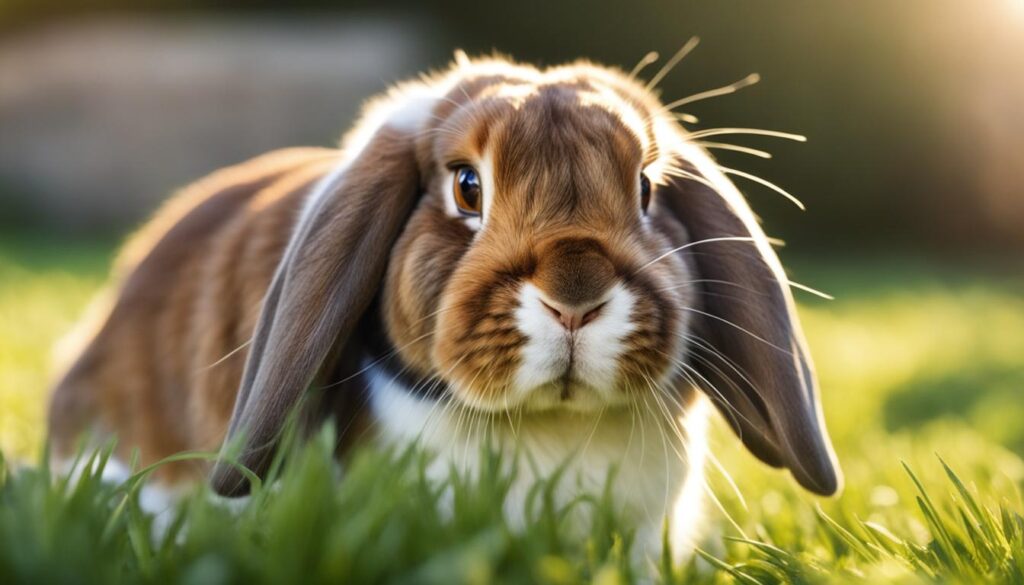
[468, 191]
[645, 192]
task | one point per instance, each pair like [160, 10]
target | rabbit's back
[162, 366]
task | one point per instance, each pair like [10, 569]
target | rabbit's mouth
[565, 392]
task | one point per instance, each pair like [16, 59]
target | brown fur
[567, 146]
[191, 289]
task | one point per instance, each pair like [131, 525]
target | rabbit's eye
[645, 192]
[468, 191]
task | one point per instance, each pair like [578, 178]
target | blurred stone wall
[101, 120]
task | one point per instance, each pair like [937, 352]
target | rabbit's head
[537, 240]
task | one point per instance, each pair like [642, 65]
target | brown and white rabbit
[541, 256]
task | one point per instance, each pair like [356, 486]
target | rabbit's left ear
[330, 272]
[750, 354]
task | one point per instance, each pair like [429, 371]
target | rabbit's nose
[572, 317]
[575, 275]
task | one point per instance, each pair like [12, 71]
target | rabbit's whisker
[448, 402]
[718, 91]
[732, 482]
[664, 443]
[397, 350]
[472, 414]
[684, 174]
[712, 281]
[593, 431]
[756, 131]
[791, 283]
[735, 148]
[692, 244]
[689, 371]
[766, 183]
[707, 486]
[665, 412]
[228, 355]
[508, 415]
[703, 345]
[671, 63]
[384, 357]
[739, 327]
[642, 64]
[808, 289]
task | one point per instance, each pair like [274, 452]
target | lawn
[921, 364]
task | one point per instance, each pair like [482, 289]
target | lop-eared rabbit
[545, 259]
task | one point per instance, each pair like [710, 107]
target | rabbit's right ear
[753, 361]
[330, 272]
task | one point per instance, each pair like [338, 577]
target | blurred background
[913, 173]
[914, 110]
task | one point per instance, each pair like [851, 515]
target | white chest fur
[658, 461]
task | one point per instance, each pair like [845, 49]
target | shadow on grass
[987, 397]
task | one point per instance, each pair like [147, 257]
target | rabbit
[542, 258]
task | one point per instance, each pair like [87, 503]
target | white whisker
[732, 412]
[732, 483]
[736, 148]
[369, 366]
[718, 465]
[682, 52]
[684, 174]
[706, 346]
[691, 244]
[714, 281]
[229, 354]
[757, 131]
[813, 291]
[646, 60]
[766, 183]
[747, 331]
[719, 91]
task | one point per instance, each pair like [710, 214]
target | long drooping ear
[330, 272]
[751, 355]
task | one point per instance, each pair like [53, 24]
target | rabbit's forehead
[563, 126]
[564, 98]
[561, 141]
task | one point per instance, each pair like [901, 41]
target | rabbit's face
[536, 273]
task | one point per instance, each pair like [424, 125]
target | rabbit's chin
[551, 397]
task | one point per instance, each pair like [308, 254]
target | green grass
[922, 366]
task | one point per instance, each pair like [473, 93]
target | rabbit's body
[541, 254]
[161, 370]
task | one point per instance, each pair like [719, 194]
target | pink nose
[572, 317]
